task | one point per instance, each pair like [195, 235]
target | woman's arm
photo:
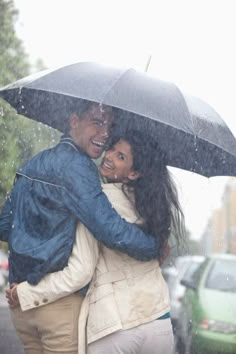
[74, 276]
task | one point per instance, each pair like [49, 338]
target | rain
[184, 44]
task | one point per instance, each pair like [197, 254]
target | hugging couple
[85, 244]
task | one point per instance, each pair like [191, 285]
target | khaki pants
[52, 328]
[155, 337]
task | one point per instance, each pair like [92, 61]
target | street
[9, 342]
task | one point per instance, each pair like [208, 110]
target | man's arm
[85, 199]
[80, 265]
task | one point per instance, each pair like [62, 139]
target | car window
[222, 276]
[192, 273]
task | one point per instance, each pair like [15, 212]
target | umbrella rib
[115, 81]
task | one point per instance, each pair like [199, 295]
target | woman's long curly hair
[155, 193]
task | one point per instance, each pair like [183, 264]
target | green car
[208, 312]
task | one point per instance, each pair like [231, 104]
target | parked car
[170, 274]
[173, 276]
[208, 321]
[4, 271]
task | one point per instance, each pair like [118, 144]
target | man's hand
[12, 296]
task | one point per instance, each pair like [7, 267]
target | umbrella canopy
[192, 135]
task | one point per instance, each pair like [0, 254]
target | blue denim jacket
[53, 191]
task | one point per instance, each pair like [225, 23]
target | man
[54, 190]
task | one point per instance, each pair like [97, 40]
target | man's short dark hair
[82, 106]
[78, 106]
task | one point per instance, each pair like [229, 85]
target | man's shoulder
[69, 153]
[61, 159]
[74, 162]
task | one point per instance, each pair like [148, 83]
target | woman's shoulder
[122, 202]
[115, 193]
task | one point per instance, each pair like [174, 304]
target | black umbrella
[190, 132]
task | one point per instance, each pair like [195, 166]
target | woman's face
[117, 164]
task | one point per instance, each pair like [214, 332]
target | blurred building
[229, 208]
[220, 233]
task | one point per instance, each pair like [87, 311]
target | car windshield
[222, 276]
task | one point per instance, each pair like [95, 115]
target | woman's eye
[121, 157]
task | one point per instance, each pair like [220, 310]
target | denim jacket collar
[67, 139]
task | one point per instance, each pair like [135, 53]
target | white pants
[155, 337]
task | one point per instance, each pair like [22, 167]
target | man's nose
[104, 131]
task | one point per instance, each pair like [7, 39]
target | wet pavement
[9, 342]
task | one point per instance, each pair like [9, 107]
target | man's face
[91, 130]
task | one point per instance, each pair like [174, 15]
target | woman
[127, 304]
[132, 294]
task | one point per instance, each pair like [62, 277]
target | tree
[13, 65]
[13, 59]
[20, 137]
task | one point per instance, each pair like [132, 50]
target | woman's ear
[133, 175]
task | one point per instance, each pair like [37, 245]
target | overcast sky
[192, 43]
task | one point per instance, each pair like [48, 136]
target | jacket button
[36, 303]
[45, 301]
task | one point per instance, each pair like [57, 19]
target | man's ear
[73, 120]
[133, 175]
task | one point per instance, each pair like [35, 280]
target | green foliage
[20, 138]
[13, 59]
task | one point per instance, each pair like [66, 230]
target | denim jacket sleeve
[85, 198]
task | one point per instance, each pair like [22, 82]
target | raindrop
[101, 107]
